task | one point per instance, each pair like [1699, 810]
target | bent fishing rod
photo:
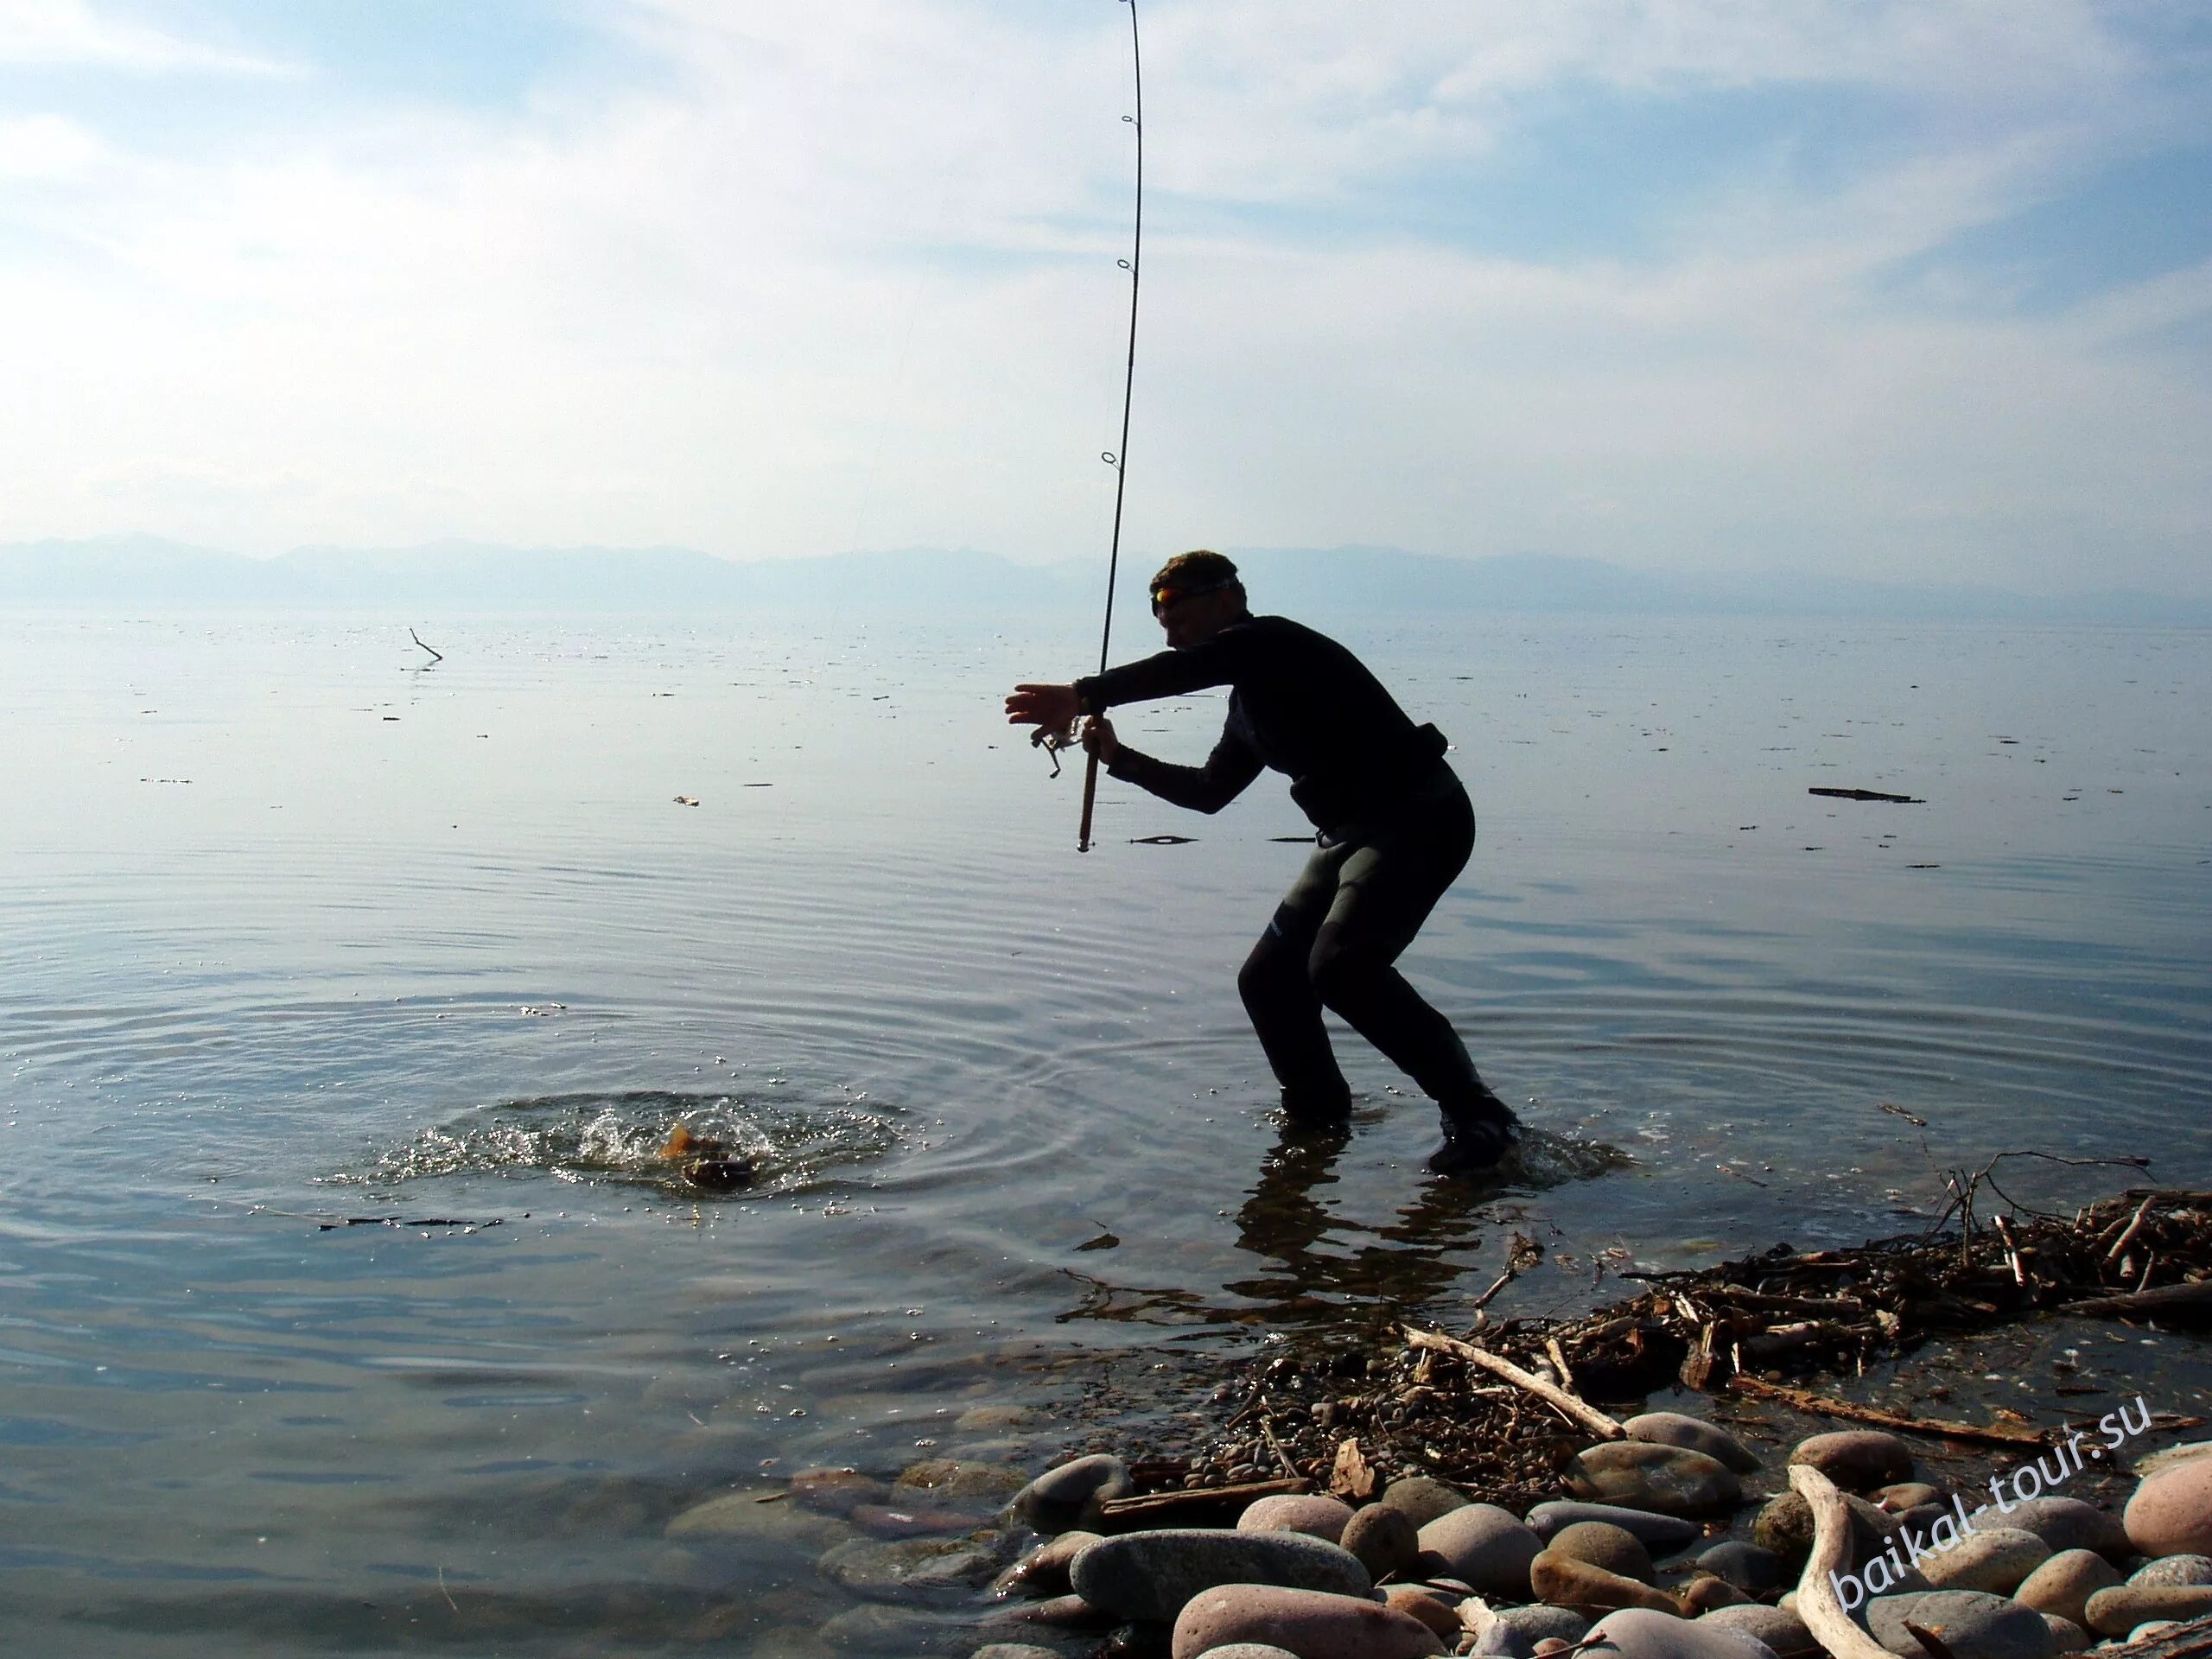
[1119, 459]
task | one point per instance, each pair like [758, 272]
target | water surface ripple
[347, 1306]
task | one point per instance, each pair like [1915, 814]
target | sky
[1907, 289]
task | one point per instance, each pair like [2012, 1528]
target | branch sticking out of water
[1805, 1400]
[1868, 795]
[1574, 1409]
[400, 1221]
[1817, 1602]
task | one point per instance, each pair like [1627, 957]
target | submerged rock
[2174, 1569]
[1564, 1581]
[1485, 1546]
[2066, 1635]
[1640, 1633]
[2170, 1513]
[2066, 1523]
[1069, 1495]
[1310, 1623]
[886, 1522]
[2064, 1584]
[1514, 1632]
[1427, 1605]
[1386, 1540]
[759, 1512]
[1907, 1496]
[1707, 1594]
[1781, 1630]
[1053, 1613]
[1785, 1526]
[1421, 1499]
[1660, 1534]
[2166, 1456]
[1674, 1428]
[1150, 1575]
[909, 1567]
[1995, 1558]
[1971, 1623]
[944, 1483]
[1603, 1544]
[874, 1629]
[1315, 1516]
[1744, 1564]
[1044, 1571]
[1670, 1479]
[838, 1491]
[2120, 1609]
[1857, 1459]
[995, 1419]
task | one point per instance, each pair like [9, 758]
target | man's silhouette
[1394, 828]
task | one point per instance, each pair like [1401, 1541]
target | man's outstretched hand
[1054, 707]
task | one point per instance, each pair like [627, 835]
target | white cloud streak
[844, 277]
[55, 33]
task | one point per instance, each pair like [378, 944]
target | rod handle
[1089, 795]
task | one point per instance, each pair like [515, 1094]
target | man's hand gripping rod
[1052, 743]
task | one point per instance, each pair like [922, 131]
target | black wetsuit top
[1300, 704]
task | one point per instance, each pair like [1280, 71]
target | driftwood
[1588, 1415]
[322, 1226]
[1817, 1604]
[2190, 1641]
[2134, 1226]
[1823, 1405]
[1867, 795]
[1146, 1509]
[1486, 1418]
[2169, 1299]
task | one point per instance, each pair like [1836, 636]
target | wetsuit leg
[1277, 982]
[1385, 890]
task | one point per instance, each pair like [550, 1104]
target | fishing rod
[1119, 459]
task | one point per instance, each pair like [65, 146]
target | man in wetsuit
[1395, 829]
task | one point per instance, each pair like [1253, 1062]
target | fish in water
[704, 1162]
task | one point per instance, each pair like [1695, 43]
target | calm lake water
[299, 933]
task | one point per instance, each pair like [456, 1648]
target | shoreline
[1504, 1421]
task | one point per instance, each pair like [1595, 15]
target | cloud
[50, 147]
[49, 33]
[845, 276]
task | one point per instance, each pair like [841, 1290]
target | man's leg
[1277, 985]
[1384, 893]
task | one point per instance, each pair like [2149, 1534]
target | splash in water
[683, 1144]
[1540, 1158]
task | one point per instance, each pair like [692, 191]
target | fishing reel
[1052, 743]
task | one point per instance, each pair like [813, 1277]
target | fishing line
[1118, 459]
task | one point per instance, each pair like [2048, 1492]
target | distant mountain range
[147, 573]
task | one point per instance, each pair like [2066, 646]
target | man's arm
[1202, 789]
[1168, 674]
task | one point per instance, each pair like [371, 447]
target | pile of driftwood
[1497, 1409]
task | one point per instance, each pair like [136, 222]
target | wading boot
[1316, 1109]
[1479, 1129]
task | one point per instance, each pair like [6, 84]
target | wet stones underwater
[1666, 1536]
[1680, 1540]
[1663, 1551]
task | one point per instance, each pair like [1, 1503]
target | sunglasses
[1164, 597]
